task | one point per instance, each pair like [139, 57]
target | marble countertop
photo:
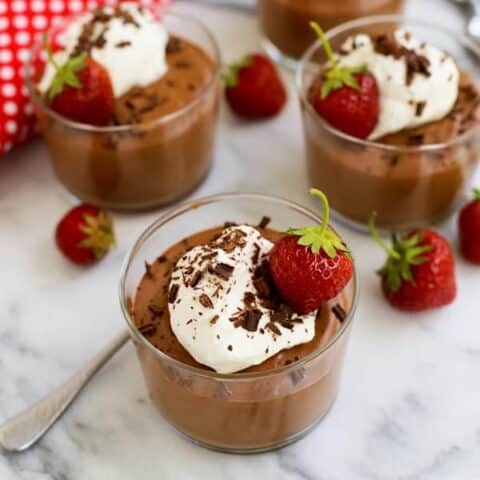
[409, 405]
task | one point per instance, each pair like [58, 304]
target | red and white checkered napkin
[21, 21]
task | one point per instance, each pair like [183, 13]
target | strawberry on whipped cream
[218, 308]
[129, 42]
[418, 82]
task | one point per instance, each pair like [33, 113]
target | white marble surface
[409, 406]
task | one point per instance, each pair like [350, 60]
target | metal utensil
[24, 430]
[474, 22]
[238, 5]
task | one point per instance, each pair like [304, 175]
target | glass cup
[285, 23]
[137, 166]
[243, 412]
[407, 186]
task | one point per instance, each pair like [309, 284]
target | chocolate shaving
[162, 259]
[256, 254]
[263, 289]
[123, 44]
[249, 299]
[230, 348]
[252, 318]
[214, 320]
[197, 276]
[339, 312]
[420, 106]
[172, 294]
[148, 270]
[416, 63]
[148, 329]
[271, 326]
[264, 222]
[205, 300]
[174, 45]
[223, 270]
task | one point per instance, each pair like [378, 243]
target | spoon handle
[22, 431]
[238, 5]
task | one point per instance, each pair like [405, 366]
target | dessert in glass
[414, 166]
[285, 23]
[152, 142]
[225, 360]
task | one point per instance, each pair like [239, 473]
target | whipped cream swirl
[219, 309]
[128, 41]
[407, 99]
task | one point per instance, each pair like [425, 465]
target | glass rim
[192, 205]
[460, 38]
[30, 84]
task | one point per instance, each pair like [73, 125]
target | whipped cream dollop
[416, 86]
[221, 307]
[127, 40]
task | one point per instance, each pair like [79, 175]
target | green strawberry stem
[230, 75]
[320, 238]
[376, 236]
[326, 208]
[476, 194]
[336, 76]
[325, 43]
[65, 74]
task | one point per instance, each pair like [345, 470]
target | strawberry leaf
[402, 255]
[66, 73]
[476, 194]
[99, 235]
[230, 75]
[320, 238]
[336, 76]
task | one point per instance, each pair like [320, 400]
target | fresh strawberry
[311, 265]
[469, 228]
[349, 98]
[81, 90]
[85, 234]
[253, 88]
[419, 273]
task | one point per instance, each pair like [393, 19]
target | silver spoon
[474, 22]
[24, 430]
[238, 5]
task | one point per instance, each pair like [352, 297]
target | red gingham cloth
[21, 21]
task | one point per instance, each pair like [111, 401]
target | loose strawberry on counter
[419, 273]
[469, 229]
[253, 88]
[85, 234]
[349, 98]
[311, 265]
[81, 89]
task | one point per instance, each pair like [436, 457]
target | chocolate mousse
[415, 164]
[280, 390]
[285, 23]
[158, 142]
